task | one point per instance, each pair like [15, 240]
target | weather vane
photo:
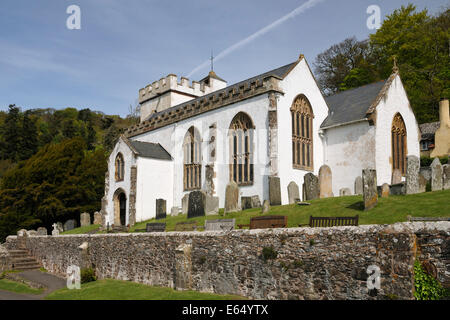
[212, 61]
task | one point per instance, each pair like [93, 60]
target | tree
[11, 132]
[335, 63]
[29, 136]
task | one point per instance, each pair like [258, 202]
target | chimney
[444, 116]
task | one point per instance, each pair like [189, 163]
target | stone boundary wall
[310, 263]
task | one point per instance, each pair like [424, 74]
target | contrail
[292, 14]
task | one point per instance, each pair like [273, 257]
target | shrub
[88, 275]
[426, 287]
[269, 253]
[426, 161]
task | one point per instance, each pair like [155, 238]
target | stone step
[26, 265]
[23, 259]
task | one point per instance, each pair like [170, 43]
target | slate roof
[351, 105]
[429, 128]
[280, 73]
[150, 150]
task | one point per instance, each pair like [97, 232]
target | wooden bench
[265, 222]
[186, 226]
[331, 221]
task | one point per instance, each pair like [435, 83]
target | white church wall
[299, 81]
[349, 149]
[153, 183]
[129, 161]
[395, 101]
[171, 138]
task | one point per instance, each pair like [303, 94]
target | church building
[202, 135]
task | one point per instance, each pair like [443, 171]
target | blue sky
[124, 45]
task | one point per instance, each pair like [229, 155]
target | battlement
[170, 83]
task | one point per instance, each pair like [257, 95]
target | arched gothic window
[241, 149]
[120, 167]
[302, 133]
[399, 145]
[192, 160]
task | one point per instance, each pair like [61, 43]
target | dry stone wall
[293, 263]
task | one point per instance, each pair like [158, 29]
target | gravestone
[55, 231]
[358, 185]
[398, 189]
[385, 189]
[274, 191]
[98, 218]
[325, 182]
[185, 204]
[220, 225]
[211, 205]
[265, 206]
[32, 233]
[41, 231]
[161, 212]
[345, 192]
[246, 203]
[231, 198]
[396, 176]
[426, 172]
[412, 174]
[311, 186]
[293, 192]
[422, 183]
[436, 175]
[256, 203]
[70, 225]
[85, 219]
[174, 211]
[370, 193]
[155, 227]
[197, 202]
[446, 176]
[60, 226]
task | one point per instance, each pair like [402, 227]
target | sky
[123, 46]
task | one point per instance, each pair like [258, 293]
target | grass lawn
[388, 210]
[81, 230]
[9, 285]
[125, 290]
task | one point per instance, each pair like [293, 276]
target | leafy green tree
[11, 132]
[29, 136]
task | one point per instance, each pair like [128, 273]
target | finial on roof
[301, 56]
[212, 61]
[395, 67]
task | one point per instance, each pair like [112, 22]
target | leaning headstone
[98, 218]
[266, 206]
[311, 188]
[446, 176]
[422, 183]
[436, 175]
[161, 210]
[345, 192]
[211, 205]
[396, 176]
[412, 174]
[385, 190]
[185, 204]
[197, 203]
[256, 203]
[358, 185]
[220, 225]
[293, 192]
[246, 203]
[274, 191]
[85, 219]
[55, 231]
[70, 225]
[41, 231]
[325, 182]
[231, 198]
[370, 194]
